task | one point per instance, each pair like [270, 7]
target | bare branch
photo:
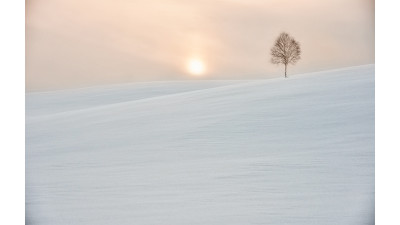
[285, 50]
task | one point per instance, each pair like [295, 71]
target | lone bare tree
[286, 50]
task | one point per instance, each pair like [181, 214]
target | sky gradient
[78, 43]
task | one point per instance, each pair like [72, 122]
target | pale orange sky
[78, 43]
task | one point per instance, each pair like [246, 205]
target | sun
[196, 67]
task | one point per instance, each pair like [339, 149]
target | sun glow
[196, 67]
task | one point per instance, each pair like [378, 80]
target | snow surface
[276, 151]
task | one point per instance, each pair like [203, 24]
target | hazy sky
[77, 43]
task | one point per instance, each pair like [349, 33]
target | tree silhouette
[286, 50]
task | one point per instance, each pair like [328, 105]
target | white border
[12, 112]
[387, 112]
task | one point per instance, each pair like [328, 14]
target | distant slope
[279, 151]
[39, 103]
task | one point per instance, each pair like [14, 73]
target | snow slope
[278, 151]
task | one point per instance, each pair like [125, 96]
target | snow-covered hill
[277, 151]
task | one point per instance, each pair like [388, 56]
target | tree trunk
[285, 70]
